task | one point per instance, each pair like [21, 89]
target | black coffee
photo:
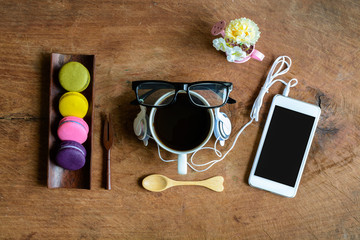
[182, 126]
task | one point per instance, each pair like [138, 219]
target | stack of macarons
[73, 106]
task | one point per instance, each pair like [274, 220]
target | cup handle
[182, 164]
[257, 55]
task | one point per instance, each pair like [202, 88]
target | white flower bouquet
[238, 39]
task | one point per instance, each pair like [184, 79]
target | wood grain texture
[170, 40]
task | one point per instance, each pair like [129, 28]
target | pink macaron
[73, 129]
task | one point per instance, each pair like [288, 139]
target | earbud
[140, 126]
[222, 127]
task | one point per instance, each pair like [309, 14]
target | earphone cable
[285, 62]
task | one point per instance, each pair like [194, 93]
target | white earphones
[222, 128]
[285, 64]
[140, 125]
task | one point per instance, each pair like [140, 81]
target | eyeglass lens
[150, 93]
[214, 93]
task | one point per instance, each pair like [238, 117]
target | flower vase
[239, 48]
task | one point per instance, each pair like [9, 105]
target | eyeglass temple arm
[145, 95]
[231, 100]
[134, 102]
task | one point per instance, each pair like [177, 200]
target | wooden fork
[108, 137]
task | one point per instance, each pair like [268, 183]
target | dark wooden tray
[57, 176]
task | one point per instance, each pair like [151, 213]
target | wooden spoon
[158, 183]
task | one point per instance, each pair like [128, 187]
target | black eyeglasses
[209, 94]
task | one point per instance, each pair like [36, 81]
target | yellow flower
[242, 31]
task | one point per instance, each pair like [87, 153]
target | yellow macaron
[74, 77]
[73, 104]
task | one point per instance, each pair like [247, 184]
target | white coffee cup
[182, 155]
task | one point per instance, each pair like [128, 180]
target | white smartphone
[284, 146]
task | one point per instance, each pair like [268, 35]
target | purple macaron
[71, 155]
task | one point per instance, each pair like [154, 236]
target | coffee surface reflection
[182, 126]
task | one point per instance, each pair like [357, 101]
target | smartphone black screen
[284, 146]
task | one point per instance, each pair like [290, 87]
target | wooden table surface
[171, 40]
